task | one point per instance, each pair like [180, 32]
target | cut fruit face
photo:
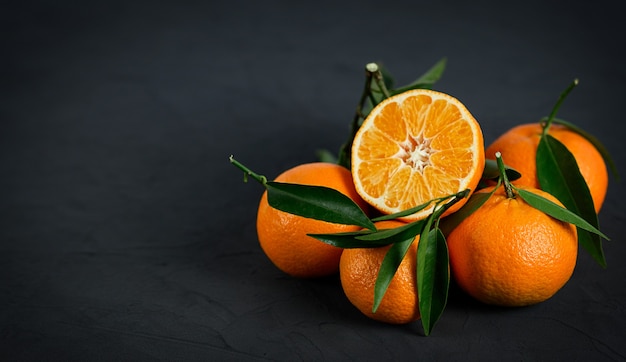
[414, 147]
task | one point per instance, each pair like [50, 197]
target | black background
[125, 234]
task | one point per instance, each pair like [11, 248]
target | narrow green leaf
[452, 198]
[388, 269]
[557, 212]
[365, 111]
[376, 96]
[316, 202]
[475, 201]
[348, 240]
[555, 166]
[397, 234]
[426, 80]
[326, 156]
[425, 273]
[433, 276]
[559, 175]
[432, 75]
[491, 172]
[407, 212]
[594, 141]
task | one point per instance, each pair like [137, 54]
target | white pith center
[416, 152]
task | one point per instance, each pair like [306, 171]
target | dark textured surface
[125, 234]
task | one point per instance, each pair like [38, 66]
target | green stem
[557, 105]
[455, 198]
[247, 172]
[507, 185]
[344, 152]
[378, 77]
[372, 69]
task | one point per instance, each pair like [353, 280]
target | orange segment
[414, 147]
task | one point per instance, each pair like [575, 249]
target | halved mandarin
[414, 147]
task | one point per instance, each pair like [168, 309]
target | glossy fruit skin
[507, 253]
[518, 147]
[358, 272]
[283, 236]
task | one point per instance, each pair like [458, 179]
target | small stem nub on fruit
[505, 180]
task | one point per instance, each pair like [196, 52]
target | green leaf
[559, 175]
[433, 276]
[604, 152]
[491, 171]
[475, 201]
[451, 199]
[397, 234]
[557, 212]
[326, 156]
[388, 269]
[426, 80]
[365, 111]
[407, 212]
[376, 96]
[348, 240]
[316, 202]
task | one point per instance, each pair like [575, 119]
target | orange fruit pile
[510, 254]
[423, 145]
[358, 270]
[283, 236]
[518, 147]
[414, 147]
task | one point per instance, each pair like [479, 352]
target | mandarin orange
[508, 253]
[283, 236]
[519, 148]
[358, 273]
